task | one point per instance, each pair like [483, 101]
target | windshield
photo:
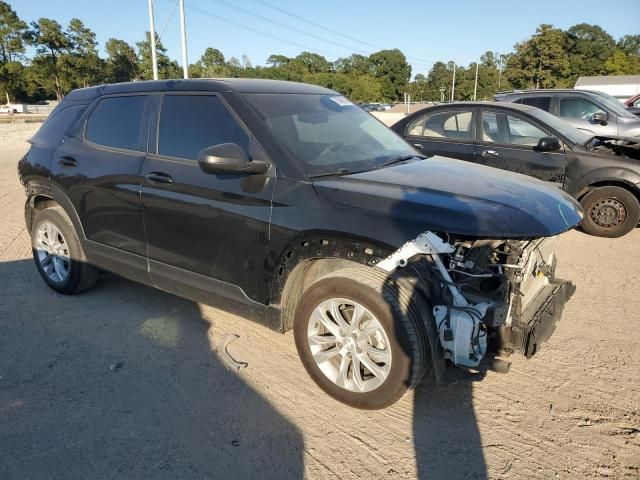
[615, 105]
[327, 133]
[571, 133]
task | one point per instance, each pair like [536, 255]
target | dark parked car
[603, 173]
[596, 113]
[289, 198]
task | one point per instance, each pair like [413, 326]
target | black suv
[289, 198]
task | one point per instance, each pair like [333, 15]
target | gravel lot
[124, 381]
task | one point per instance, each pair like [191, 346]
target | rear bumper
[538, 321]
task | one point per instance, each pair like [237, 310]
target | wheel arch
[311, 256]
[40, 196]
[629, 186]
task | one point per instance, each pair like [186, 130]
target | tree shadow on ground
[121, 382]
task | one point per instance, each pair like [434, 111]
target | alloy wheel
[349, 345]
[52, 252]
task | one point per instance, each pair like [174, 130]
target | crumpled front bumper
[538, 321]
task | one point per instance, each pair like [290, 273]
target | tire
[610, 212]
[55, 223]
[403, 337]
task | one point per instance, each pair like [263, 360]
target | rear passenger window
[191, 123]
[539, 102]
[454, 125]
[117, 122]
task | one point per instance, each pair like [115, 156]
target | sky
[426, 31]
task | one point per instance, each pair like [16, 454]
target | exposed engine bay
[494, 297]
[623, 147]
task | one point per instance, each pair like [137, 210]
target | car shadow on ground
[447, 441]
[121, 382]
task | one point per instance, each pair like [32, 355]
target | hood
[627, 139]
[457, 197]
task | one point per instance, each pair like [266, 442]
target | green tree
[167, 68]
[540, 62]
[621, 63]
[81, 65]
[357, 64]
[308, 62]
[365, 88]
[122, 62]
[278, 60]
[439, 80]
[391, 67]
[588, 48]
[51, 44]
[12, 34]
[630, 44]
[211, 65]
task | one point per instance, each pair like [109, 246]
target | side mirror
[600, 117]
[548, 144]
[229, 158]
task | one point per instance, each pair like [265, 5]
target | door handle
[489, 153]
[418, 146]
[159, 177]
[67, 162]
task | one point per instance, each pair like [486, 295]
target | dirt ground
[123, 381]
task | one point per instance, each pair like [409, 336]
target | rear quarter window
[117, 122]
[58, 124]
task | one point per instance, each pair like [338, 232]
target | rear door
[507, 141]
[99, 171]
[449, 133]
[205, 232]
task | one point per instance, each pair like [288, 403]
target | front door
[508, 140]
[449, 133]
[205, 232]
[579, 111]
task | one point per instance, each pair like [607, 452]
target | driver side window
[581, 108]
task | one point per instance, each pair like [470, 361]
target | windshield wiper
[401, 158]
[337, 173]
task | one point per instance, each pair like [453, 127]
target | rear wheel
[360, 338]
[610, 212]
[58, 253]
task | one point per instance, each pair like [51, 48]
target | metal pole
[453, 83]
[475, 86]
[152, 39]
[183, 33]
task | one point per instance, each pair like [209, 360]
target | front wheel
[610, 212]
[360, 338]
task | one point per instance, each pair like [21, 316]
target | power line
[336, 32]
[289, 27]
[259, 32]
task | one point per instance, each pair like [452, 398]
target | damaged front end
[489, 297]
[620, 146]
